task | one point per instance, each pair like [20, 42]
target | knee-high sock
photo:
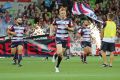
[55, 56]
[19, 58]
[85, 56]
[15, 58]
[81, 56]
[68, 53]
[59, 61]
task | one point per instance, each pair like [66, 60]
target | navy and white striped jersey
[20, 31]
[85, 33]
[62, 31]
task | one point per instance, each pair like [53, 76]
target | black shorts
[85, 44]
[106, 46]
[61, 41]
[15, 44]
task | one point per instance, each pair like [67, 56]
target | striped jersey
[85, 33]
[20, 31]
[61, 31]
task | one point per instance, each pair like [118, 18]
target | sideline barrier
[35, 45]
[41, 45]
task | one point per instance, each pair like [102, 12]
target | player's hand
[69, 28]
[13, 33]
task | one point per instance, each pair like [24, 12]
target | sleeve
[11, 28]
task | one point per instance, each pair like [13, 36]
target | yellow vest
[110, 29]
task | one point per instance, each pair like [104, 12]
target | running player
[62, 24]
[85, 33]
[17, 31]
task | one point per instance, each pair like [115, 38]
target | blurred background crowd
[38, 16]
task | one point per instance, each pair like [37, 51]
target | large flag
[89, 12]
[76, 9]
[82, 8]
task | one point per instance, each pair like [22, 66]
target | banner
[36, 45]
[43, 45]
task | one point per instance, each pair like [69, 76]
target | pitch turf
[35, 68]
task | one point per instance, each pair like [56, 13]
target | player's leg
[67, 49]
[15, 58]
[103, 52]
[111, 59]
[20, 51]
[67, 53]
[104, 59]
[59, 54]
[99, 53]
[82, 54]
[54, 57]
[112, 49]
[87, 50]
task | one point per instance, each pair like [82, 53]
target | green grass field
[35, 68]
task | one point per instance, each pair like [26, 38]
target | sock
[68, 57]
[85, 56]
[68, 53]
[56, 55]
[19, 58]
[15, 58]
[81, 56]
[47, 57]
[59, 61]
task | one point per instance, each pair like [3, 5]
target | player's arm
[70, 27]
[26, 32]
[102, 31]
[79, 34]
[93, 40]
[10, 32]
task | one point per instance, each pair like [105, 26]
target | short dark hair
[110, 16]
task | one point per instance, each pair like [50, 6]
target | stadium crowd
[38, 17]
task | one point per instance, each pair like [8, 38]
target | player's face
[86, 23]
[19, 21]
[62, 14]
